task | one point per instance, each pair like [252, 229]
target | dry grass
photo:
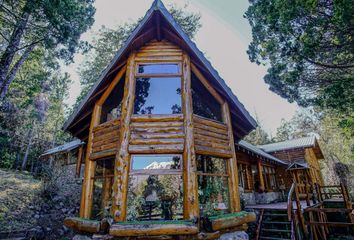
[18, 200]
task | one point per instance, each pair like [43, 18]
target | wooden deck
[279, 205]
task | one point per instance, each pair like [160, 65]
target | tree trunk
[28, 148]
[10, 77]
[14, 41]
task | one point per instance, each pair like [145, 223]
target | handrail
[290, 201]
[259, 224]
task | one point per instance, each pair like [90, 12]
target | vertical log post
[190, 198]
[90, 166]
[79, 161]
[122, 159]
[235, 205]
[106, 187]
[260, 175]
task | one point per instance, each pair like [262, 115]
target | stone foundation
[239, 235]
[267, 197]
[249, 198]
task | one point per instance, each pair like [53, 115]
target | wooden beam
[79, 161]
[158, 27]
[106, 187]
[235, 205]
[111, 86]
[260, 175]
[190, 186]
[90, 166]
[122, 159]
[206, 84]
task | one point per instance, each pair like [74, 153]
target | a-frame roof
[159, 22]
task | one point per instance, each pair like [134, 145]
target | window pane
[158, 68]
[208, 164]
[204, 104]
[156, 162]
[155, 197]
[158, 96]
[213, 194]
[111, 108]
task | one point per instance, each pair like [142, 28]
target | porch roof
[67, 147]
[260, 152]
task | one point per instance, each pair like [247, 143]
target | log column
[122, 159]
[90, 166]
[190, 186]
[260, 175]
[235, 205]
[106, 187]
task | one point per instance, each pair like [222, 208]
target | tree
[309, 47]
[109, 41]
[33, 112]
[258, 136]
[55, 25]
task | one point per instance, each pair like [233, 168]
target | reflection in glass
[158, 68]
[209, 164]
[158, 95]
[155, 197]
[140, 162]
[204, 104]
[213, 194]
[111, 108]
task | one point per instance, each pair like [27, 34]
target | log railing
[295, 216]
[259, 224]
[317, 214]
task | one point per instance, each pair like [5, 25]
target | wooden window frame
[137, 74]
[247, 181]
[158, 75]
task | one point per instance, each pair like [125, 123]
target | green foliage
[258, 136]
[109, 41]
[33, 110]
[309, 48]
[55, 24]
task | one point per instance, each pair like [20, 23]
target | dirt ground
[26, 212]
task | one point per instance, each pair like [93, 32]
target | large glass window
[212, 185]
[158, 89]
[158, 95]
[102, 194]
[244, 176]
[204, 104]
[111, 108]
[155, 188]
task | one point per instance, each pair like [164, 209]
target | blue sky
[223, 38]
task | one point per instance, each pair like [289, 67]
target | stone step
[273, 238]
[275, 230]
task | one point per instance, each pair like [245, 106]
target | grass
[18, 200]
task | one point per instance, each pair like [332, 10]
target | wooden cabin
[302, 156]
[267, 172]
[160, 127]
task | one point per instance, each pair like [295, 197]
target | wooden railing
[259, 224]
[316, 213]
[295, 216]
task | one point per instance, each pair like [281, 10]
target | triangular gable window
[204, 104]
[111, 108]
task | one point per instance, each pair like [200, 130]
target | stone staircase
[275, 225]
